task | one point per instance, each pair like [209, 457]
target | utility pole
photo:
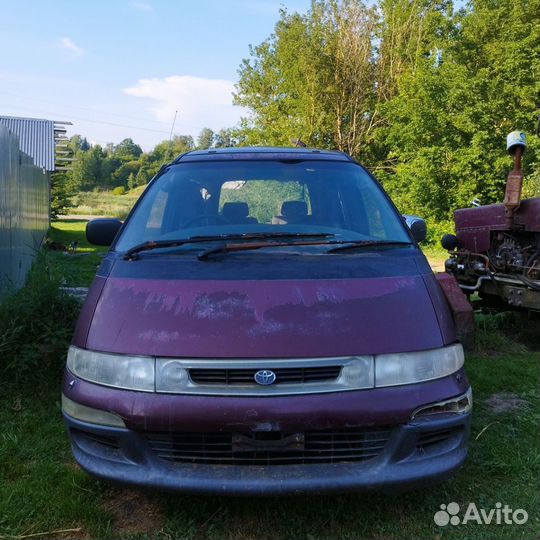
[172, 127]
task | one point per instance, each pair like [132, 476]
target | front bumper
[124, 455]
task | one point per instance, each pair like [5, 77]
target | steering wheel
[216, 218]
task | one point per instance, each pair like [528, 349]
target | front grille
[270, 448]
[246, 376]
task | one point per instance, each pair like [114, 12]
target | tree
[109, 165]
[205, 139]
[78, 143]
[121, 175]
[451, 113]
[408, 32]
[61, 192]
[63, 185]
[225, 138]
[105, 169]
[168, 150]
[127, 150]
[143, 177]
[313, 79]
[131, 181]
[86, 169]
[421, 93]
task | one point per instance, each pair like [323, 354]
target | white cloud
[68, 44]
[200, 102]
[143, 7]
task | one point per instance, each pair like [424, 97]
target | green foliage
[78, 268]
[142, 178]
[120, 190]
[86, 172]
[205, 139]
[62, 190]
[450, 117]
[104, 203]
[422, 94]
[226, 138]
[313, 79]
[36, 325]
[78, 143]
[122, 165]
[42, 490]
[127, 150]
[121, 175]
[264, 197]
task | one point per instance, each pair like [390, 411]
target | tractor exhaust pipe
[515, 144]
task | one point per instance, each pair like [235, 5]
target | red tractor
[496, 249]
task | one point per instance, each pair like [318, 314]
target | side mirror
[102, 231]
[417, 227]
[449, 242]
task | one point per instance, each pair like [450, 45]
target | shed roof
[37, 138]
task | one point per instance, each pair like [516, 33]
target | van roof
[261, 152]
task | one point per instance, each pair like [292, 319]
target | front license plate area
[267, 441]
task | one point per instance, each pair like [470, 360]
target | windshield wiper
[131, 253]
[342, 245]
[224, 248]
[355, 244]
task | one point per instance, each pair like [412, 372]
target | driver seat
[237, 213]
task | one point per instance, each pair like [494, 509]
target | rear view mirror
[417, 226]
[102, 231]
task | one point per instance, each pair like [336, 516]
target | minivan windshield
[242, 197]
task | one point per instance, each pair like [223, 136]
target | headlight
[118, 370]
[148, 374]
[90, 415]
[413, 367]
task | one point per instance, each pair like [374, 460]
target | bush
[436, 230]
[36, 325]
[120, 190]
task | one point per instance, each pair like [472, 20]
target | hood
[170, 307]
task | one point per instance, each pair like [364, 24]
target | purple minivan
[265, 323]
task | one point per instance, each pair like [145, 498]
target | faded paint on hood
[282, 318]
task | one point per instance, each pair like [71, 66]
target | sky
[121, 68]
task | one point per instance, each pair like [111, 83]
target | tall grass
[36, 324]
[507, 333]
[104, 203]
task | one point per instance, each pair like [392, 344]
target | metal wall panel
[36, 138]
[24, 211]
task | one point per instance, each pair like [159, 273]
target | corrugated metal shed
[24, 211]
[36, 138]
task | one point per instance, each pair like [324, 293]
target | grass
[42, 490]
[105, 203]
[436, 256]
[78, 268]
